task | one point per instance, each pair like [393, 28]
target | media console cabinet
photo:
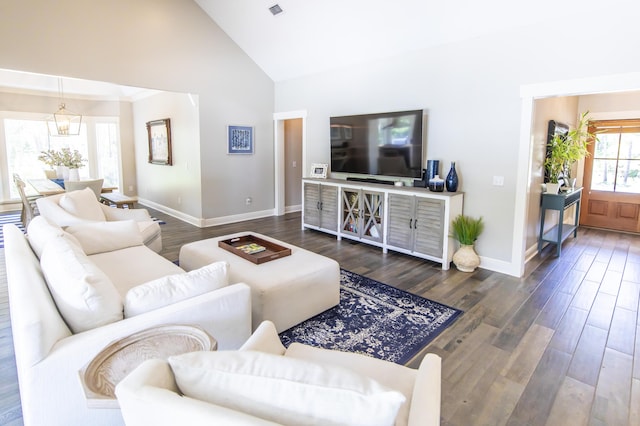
[408, 220]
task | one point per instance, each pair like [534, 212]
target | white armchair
[81, 206]
[151, 394]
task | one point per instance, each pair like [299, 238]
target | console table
[409, 220]
[560, 232]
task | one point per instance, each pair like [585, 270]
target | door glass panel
[630, 146]
[607, 145]
[628, 180]
[603, 177]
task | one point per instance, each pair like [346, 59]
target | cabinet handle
[415, 224]
[318, 205]
[321, 204]
[410, 223]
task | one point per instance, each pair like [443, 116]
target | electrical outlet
[294, 164]
[130, 187]
[248, 201]
[498, 181]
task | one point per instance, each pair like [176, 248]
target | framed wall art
[159, 132]
[240, 140]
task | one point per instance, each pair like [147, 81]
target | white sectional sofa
[73, 293]
[265, 384]
[81, 206]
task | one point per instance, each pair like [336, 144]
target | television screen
[386, 144]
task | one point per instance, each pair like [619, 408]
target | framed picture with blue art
[240, 140]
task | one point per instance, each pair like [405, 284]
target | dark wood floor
[560, 346]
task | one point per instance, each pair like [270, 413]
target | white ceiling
[312, 36]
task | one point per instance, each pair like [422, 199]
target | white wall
[168, 45]
[472, 93]
[176, 187]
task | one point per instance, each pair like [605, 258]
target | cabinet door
[350, 214]
[372, 214]
[312, 204]
[329, 207]
[429, 226]
[400, 227]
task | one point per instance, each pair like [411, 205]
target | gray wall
[168, 45]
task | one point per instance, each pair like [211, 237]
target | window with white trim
[24, 135]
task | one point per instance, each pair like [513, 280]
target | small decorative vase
[74, 175]
[452, 178]
[60, 171]
[466, 259]
[436, 184]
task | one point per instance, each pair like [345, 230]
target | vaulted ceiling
[312, 36]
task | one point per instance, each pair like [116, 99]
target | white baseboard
[501, 266]
[171, 212]
[203, 223]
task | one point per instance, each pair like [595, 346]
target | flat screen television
[383, 144]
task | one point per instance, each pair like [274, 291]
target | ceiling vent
[275, 9]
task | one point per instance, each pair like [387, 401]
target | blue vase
[452, 179]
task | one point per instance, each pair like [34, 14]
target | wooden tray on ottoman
[268, 251]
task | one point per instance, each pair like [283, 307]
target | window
[25, 135]
[616, 156]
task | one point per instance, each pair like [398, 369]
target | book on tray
[251, 248]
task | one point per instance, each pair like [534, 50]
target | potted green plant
[466, 230]
[566, 149]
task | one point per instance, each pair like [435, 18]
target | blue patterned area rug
[374, 319]
[12, 217]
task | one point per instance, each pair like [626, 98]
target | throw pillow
[101, 237]
[285, 390]
[174, 288]
[83, 204]
[84, 295]
[40, 231]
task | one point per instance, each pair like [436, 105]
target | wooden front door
[611, 196]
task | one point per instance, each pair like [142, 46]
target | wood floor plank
[622, 331]
[602, 310]
[525, 357]
[613, 392]
[535, 404]
[585, 295]
[587, 358]
[568, 333]
[572, 405]
[634, 406]
[499, 401]
[611, 282]
[514, 331]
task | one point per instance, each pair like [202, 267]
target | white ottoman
[286, 291]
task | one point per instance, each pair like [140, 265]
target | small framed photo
[239, 140]
[319, 170]
[159, 132]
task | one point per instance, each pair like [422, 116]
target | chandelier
[64, 122]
